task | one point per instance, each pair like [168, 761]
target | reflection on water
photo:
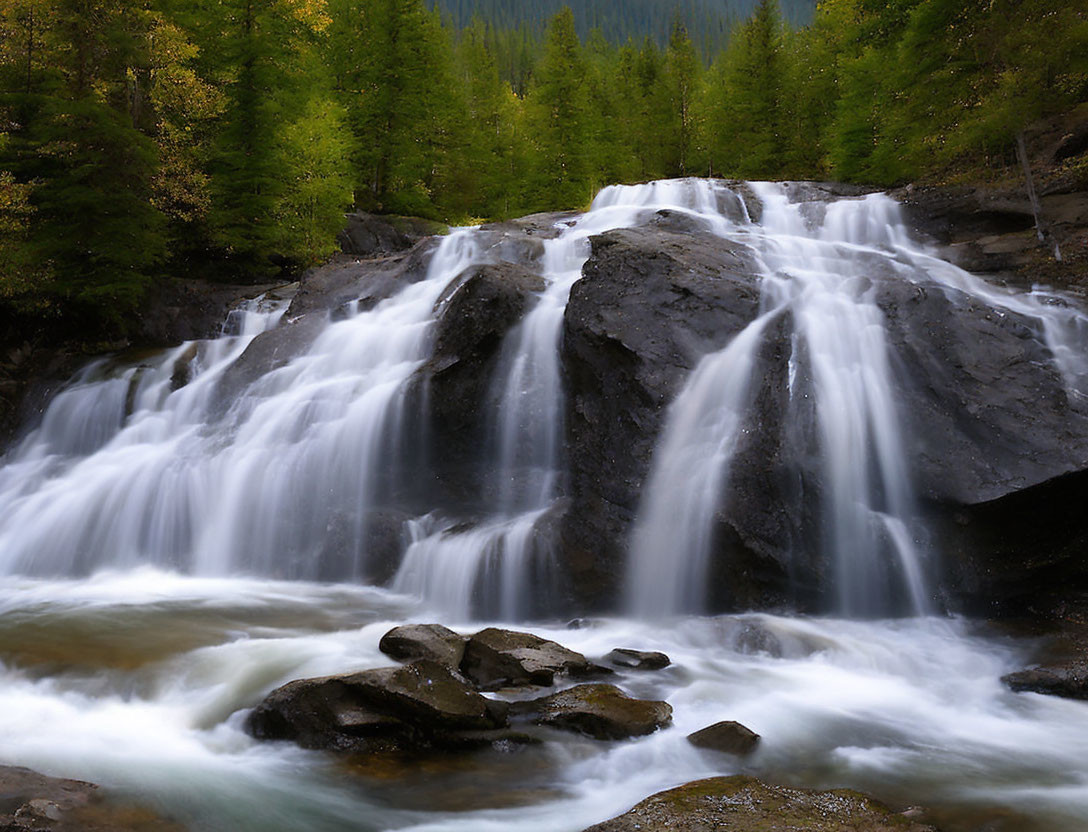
[149, 695]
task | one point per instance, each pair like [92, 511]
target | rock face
[424, 641]
[650, 303]
[638, 659]
[603, 712]
[476, 312]
[743, 804]
[497, 658]
[412, 707]
[730, 737]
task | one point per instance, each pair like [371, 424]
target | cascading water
[500, 564]
[817, 262]
[174, 478]
[139, 678]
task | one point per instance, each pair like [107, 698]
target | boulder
[730, 737]
[638, 659]
[416, 706]
[497, 658]
[474, 315]
[744, 804]
[362, 283]
[424, 641]
[601, 711]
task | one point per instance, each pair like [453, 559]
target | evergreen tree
[745, 106]
[680, 83]
[561, 119]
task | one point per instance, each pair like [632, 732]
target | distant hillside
[708, 21]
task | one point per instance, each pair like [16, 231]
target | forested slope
[144, 139]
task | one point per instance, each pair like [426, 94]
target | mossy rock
[744, 804]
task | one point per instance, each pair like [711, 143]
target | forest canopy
[144, 138]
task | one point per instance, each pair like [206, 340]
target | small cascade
[297, 463]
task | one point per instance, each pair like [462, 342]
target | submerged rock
[497, 658]
[729, 737]
[638, 659]
[29, 800]
[601, 711]
[416, 706]
[424, 641]
[744, 804]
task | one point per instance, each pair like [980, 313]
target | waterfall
[505, 565]
[817, 263]
[303, 455]
[314, 468]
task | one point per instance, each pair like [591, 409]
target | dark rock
[1021, 554]
[398, 708]
[989, 410]
[375, 235]
[744, 804]
[424, 641]
[348, 280]
[497, 658]
[475, 313]
[638, 659]
[651, 303]
[730, 737]
[601, 711]
[1066, 680]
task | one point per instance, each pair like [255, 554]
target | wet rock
[650, 304]
[1068, 680]
[474, 315]
[29, 800]
[497, 658]
[424, 641]
[375, 235]
[638, 659]
[730, 737]
[744, 804]
[350, 280]
[601, 711]
[418, 705]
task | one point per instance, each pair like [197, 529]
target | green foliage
[149, 137]
[746, 91]
[309, 211]
[561, 120]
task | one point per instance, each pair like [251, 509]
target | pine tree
[745, 99]
[561, 119]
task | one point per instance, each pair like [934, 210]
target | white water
[140, 681]
[497, 566]
[820, 264]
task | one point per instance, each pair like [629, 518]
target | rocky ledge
[743, 804]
